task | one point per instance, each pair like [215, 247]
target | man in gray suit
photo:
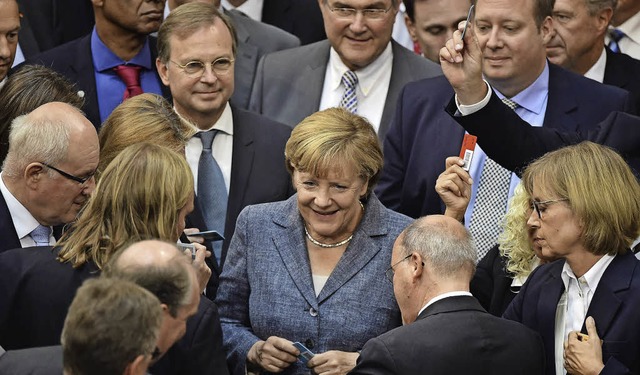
[359, 67]
[446, 330]
[255, 39]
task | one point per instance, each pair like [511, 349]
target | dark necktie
[491, 201]
[212, 192]
[130, 75]
[615, 36]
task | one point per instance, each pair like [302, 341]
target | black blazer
[301, 18]
[73, 60]
[8, 235]
[623, 71]
[454, 336]
[258, 175]
[491, 284]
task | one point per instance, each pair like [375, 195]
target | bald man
[48, 174]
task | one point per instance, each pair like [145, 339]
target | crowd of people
[282, 186]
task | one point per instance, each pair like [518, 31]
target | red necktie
[130, 75]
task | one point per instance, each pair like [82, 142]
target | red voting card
[466, 152]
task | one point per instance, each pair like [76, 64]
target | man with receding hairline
[47, 175]
[446, 329]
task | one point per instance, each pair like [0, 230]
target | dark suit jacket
[73, 60]
[614, 308]
[301, 18]
[255, 39]
[45, 360]
[491, 284]
[513, 143]
[423, 135]
[289, 83]
[454, 336]
[8, 232]
[623, 71]
[36, 294]
[26, 38]
[258, 175]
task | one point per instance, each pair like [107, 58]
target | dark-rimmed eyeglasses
[80, 180]
[539, 207]
[368, 13]
[390, 271]
[219, 66]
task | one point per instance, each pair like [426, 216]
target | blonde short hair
[600, 188]
[332, 140]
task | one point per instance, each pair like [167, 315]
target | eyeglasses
[539, 207]
[368, 13]
[220, 66]
[390, 271]
[80, 180]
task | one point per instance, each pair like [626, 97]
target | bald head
[150, 253]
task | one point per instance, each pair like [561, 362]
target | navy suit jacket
[258, 175]
[266, 287]
[423, 135]
[301, 18]
[454, 336]
[8, 235]
[491, 284]
[513, 143]
[614, 308]
[289, 83]
[73, 60]
[623, 71]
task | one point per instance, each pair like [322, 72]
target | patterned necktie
[212, 191]
[130, 75]
[615, 36]
[349, 100]
[491, 202]
[41, 235]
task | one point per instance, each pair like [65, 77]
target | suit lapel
[561, 105]
[8, 232]
[547, 305]
[399, 76]
[82, 72]
[605, 303]
[614, 73]
[451, 304]
[360, 250]
[312, 76]
[290, 244]
[246, 61]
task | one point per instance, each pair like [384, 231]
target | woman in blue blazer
[311, 269]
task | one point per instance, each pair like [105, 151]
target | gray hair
[450, 251]
[594, 6]
[35, 140]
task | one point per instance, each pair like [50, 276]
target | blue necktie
[615, 36]
[212, 192]
[349, 100]
[41, 235]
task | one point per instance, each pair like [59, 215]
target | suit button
[313, 312]
[309, 344]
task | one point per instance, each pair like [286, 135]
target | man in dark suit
[432, 263]
[359, 64]
[248, 149]
[45, 184]
[254, 39]
[119, 49]
[515, 66]
[578, 45]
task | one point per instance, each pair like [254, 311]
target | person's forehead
[513, 9]
[362, 4]
[9, 15]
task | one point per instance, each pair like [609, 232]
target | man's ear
[163, 71]
[139, 366]
[417, 265]
[33, 174]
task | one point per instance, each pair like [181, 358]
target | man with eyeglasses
[116, 60]
[446, 329]
[359, 67]
[48, 174]
[237, 157]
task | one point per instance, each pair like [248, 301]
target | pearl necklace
[326, 245]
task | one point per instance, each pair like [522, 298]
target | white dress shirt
[443, 296]
[574, 304]
[596, 72]
[23, 221]
[221, 149]
[630, 44]
[372, 88]
[252, 8]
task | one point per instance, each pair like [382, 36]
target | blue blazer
[614, 307]
[423, 135]
[266, 287]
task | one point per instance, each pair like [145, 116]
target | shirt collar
[591, 277]
[224, 123]
[533, 97]
[22, 219]
[443, 296]
[630, 27]
[596, 72]
[105, 59]
[367, 76]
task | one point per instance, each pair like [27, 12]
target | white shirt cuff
[466, 110]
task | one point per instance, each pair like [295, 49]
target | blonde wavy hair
[137, 198]
[514, 241]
